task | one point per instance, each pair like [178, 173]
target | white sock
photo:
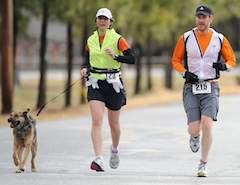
[99, 156]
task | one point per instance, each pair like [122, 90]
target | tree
[7, 56]
[66, 14]
[138, 64]
[0, 41]
[15, 39]
[21, 17]
[43, 63]
[85, 34]
[141, 23]
[70, 62]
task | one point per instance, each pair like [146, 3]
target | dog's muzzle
[13, 122]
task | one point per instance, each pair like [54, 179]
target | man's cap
[203, 10]
[104, 12]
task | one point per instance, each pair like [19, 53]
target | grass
[25, 96]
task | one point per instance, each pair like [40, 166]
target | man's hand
[220, 66]
[190, 77]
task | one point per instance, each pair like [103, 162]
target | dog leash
[64, 91]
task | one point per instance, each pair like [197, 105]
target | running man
[197, 57]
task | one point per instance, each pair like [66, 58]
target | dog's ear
[16, 114]
[26, 112]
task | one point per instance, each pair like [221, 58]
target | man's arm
[178, 65]
[178, 56]
[228, 54]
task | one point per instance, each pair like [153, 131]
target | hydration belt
[103, 70]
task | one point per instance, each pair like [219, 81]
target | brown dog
[25, 139]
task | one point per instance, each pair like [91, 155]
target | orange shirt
[122, 43]
[204, 40]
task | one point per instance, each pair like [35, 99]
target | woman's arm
[127, 58]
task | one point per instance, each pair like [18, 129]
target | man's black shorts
[107, 94]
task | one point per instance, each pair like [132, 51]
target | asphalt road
[154, 150]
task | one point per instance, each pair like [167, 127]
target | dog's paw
[34, 169]
[18, 170]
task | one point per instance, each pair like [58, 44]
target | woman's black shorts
[107, 94]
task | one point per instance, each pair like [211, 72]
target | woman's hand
[110, 52]
[84, 72]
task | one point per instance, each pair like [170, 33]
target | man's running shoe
[114, 159]
[194, 143]
[97, 164]
[202, 170]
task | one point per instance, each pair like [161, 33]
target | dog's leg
[20, 152]
[34, 153]
[25, 156]
[16, 158]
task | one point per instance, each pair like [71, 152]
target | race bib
[201, 88]
[112, 77]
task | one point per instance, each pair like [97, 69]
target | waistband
[214, 81]
[103, 70]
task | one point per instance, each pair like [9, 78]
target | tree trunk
[16, 80]
[1, 24]
[168, 75]
[83, 54]
[149, 64]
[7, 56]
[168, 67]
[138, 68]
[236, 30]
[43, 63]
[69, 63]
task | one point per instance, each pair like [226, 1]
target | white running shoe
[202, 170]
[114, 159]
[97, 164]
[194, 143]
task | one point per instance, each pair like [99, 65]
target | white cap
[104, 12]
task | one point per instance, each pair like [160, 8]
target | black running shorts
[107, 94]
